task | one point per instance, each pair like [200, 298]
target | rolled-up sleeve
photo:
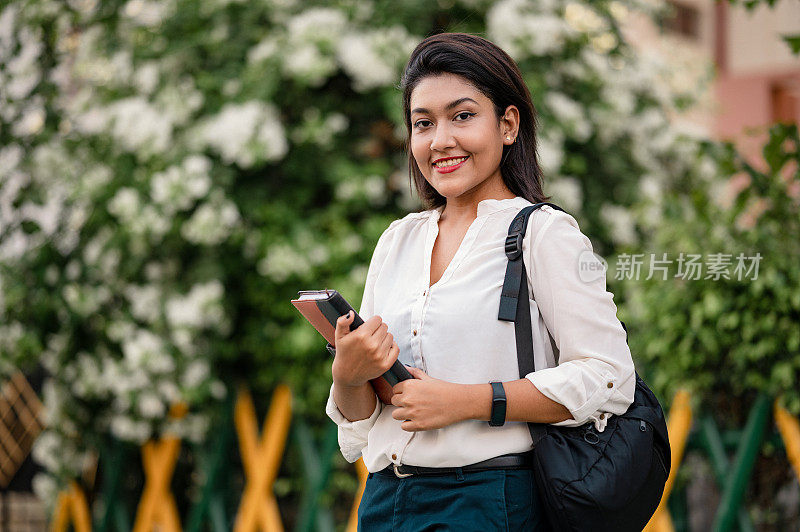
[353, 434]
[595, 371]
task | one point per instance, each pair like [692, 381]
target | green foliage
[729, 337]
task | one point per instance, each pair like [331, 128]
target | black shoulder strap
[514, 301]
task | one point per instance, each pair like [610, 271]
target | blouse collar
[489, 206]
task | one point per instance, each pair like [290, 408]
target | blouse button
[602, 416]
[414, 332]
[610, 384]
[424, 292]
[394, 457]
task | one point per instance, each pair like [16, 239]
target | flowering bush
[172, 172]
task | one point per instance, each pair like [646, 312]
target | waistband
[506, 461]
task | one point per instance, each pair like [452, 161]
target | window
[684, 20]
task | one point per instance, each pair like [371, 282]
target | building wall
[756, 78]
[754, 45]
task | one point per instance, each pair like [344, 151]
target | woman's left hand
[425, 403]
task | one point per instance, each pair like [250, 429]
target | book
[322, 308]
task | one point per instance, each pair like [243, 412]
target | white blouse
[451, 331]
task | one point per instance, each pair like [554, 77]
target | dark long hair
[492, 72]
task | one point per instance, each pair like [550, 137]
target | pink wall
[748, 105]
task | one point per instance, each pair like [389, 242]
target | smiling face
[457, 140]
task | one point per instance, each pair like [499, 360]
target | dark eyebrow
[447, 107]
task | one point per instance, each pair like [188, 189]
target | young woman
[434, 281]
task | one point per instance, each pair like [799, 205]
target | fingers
[418, 373]
[387, 344]
[371, 325]
[410, 426]
[343, 324]
[394, 352]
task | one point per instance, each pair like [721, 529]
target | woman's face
[453, 122]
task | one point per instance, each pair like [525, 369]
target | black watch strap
[498, 416]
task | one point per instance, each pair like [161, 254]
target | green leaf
[793, 41]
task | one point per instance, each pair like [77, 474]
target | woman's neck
[458, 211]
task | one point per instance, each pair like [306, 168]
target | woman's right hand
[362, 354]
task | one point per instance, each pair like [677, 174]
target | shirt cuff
[352, 434]
[559, 385]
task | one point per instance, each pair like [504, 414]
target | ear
[510, 125]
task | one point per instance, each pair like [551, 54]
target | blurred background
[172, 172]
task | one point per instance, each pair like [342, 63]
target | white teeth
[449, 162]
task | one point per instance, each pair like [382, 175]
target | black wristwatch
[498, 417]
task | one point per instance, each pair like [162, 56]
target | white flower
[265, 49]
[374, 58]
[568, 191]
[128, 429]
[178, 187]
[551, 152]
[179, 101]
[245, 133]
[620, 221]
[145, 302]
[169, 391]
[306, 62]
[117, 331]
[23, 72]
[604, 42]
[32, 121]
[622, 100]
[569, 113]
[46, 216]
[46, 488]
[8, 21]
[212, 222]
[193, 427]
[218, 390]
[583, 18]
[516, 28]
[201, 307]
[317, 25]
[146, 77]
[184, 341]
[150, 406]
[46, 449]
[93, 121]
[125, 204]
[85, 300]
[352, 243]
[196, 374]
[148, 14]
[139, 127]
[146, 350]
[650, 187]
[282, 261]
[10, 158]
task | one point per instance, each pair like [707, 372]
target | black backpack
[588, 480]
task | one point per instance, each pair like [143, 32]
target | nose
[442, 138]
